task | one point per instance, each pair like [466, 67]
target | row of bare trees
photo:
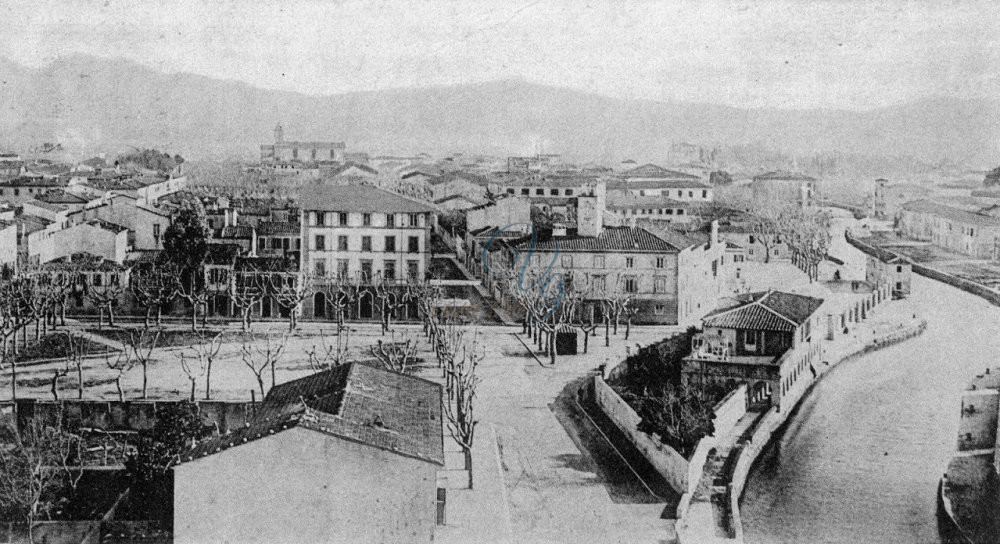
[805, 232]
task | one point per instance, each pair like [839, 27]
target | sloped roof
[625, 200]
[783, 175]
[662, 184]
[459, 176]
[270, 228]
[58, 196]
[953, 214]
[371, 406]
[769, 310]
[348, 165]
[222, 253]
[237, 231]
[650, 170]
[358, 198]
[617, 239]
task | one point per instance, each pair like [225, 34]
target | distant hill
[87, 103]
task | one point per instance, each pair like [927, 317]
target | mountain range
[89, 103]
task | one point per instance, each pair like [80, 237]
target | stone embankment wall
[691, 522]
[972, 287]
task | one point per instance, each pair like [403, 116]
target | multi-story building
[784, 187]
[627, 205]
[895, 271]
[670, 278]
[279, 239]
[289, 151]
[11, 165]
[770, 341]
[8, 244]
[146, 224]
[974, 234]
[653, 180]
[362, 233]
[22, 189]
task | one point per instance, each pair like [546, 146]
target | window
[366, 243]
[704, 194]
[642, 193]
[899, 286]
[659, 309]
[629, 262]
[554, 192]
[156, 234]
[631, 284]
[342, 243]
[752, 239]
[414, 219]
[332, 155]
[320, 242]
[389, 270]
[659, 284]
[295, 152]
[413, 269]
[715, 269]
[343, 269]
[660, 262]
[98, 279]
[342, 219]
[390, 244]
[680, 194]
[690, 194]
[598, 282]
[598, 261]
[567, 261]
[261, 244]
[510, 190]
[319, 267]
[366, 270]
[390, 220]
[116, 279]
[320, 219]
[670, 211]
[298, 244]
[899, 269]
[366, 219]
[524, 191]
[414, 244]
[313, 154]
[539, 191]
[568, 192]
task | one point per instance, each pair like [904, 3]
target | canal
[861, 459]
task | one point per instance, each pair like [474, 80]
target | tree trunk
[586, 340]
[13, 380]
[100, 317]
[628, 325]
[55, 385]
[607, 331]
[193, 385]
[273, 380]
[552, 348]
[208, 381]
[121, 392]
[111, 315]
[144, 379]
[79, 378]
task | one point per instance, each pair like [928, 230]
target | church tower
[279, 134]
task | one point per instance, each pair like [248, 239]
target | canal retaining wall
[697, 523]
[968, 286]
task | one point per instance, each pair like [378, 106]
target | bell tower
[279, 134]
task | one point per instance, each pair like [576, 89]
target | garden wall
[132, 415]
[671, 465]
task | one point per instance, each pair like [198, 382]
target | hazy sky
[836, 54]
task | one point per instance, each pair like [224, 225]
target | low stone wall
[131, 415]
[671, 465]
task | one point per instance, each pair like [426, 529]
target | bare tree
[106, 295]
[395, 356]
[246, 291]
[154, 288]
[259, 356]
[390, 301]
[139, 345]
[77, 349]
[205, 351]
[30, 477]
[326, 356]
[459, 410]
[122, 364]
[290, 290]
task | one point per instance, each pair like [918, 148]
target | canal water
[861, 459]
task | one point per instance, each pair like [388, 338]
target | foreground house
[770, 341]
[785, 187]
[345, 455]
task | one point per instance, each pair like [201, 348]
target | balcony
[710, 347]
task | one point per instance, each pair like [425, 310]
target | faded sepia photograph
[511, 272]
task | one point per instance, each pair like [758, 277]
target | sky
[844, 55]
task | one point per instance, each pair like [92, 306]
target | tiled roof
[654, 171]
[45, 205]
[459, 176]
[770, 310]
[32, 223]
[348, 165]
[270, 228]
[953, 214]
[617, 239]
[237, 231]
[142, 256]
[222, 253]
[673, 235]
[382, 409]
[59, 196]
[662, 184]
[32, 182]
[783, 176]
[358, 198]
[85, 261]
